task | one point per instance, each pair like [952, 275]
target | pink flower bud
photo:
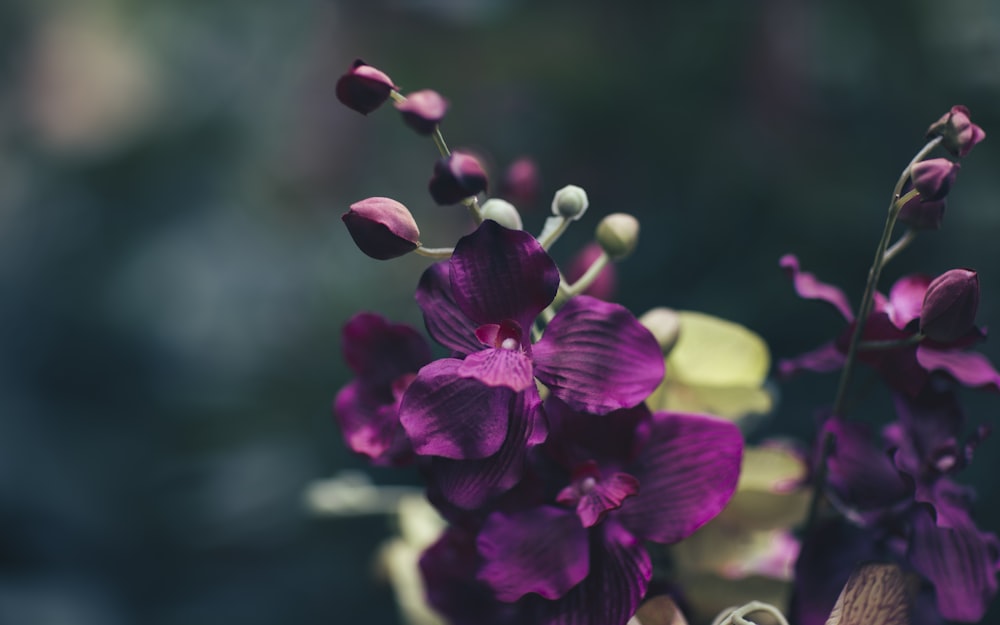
[521, 183]
[364, 88]
[958, 132]
[922, 215]
[457, 177]
[423, 110]
[933, 178]
[950, 304]
[382, 228]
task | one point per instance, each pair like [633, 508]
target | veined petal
[597, 357]
[620, 570]
[379, 351]
[687, 472]
[510, 368]
[445, 321]
[451, 416]
[808, 287]
[499, 274]
[971, 369]
[541, 550]
[469, 484]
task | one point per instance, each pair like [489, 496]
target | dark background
[174, 273]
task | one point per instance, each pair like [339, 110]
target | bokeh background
[174, 273]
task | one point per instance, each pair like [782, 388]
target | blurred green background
[174, 273]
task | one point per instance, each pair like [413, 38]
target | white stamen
[510, 343]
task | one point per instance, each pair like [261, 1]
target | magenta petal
[499, 274]
[597, 357]
[971, 369]
[445, 321]
[906, 299]
[510, 368]
[808, 287]
[369, 427]
[469, 484]
[961, 563]
[454, 417]
[541, 550]
[823, 359]
[620, 570]
[687, 473]
[595, 499]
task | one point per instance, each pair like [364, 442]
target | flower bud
[502, 212]
[957, 131]
[950, 305]
[618, 234]
[364, 88]
[382, 228]
[933, 178]
[520, 183]
[665, 324]
[570, 202]
[457, 177]
[920, 214]
[423, 110]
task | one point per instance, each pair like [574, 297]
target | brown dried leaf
[875, 594]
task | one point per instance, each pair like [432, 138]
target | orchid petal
[444, 320]
[971, 369]
[499, 274]
[369, 427]
[510, 368]
[597, 357]
[823, 359]
[906, 297]
[808, 287]
[454, 417]
[687, 472]
[379, 351]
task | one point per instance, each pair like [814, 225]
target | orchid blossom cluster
[894, 497]
[532, 433]
[560, 437]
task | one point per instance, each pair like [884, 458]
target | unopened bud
[958, 133]
[618, 234]
[382, 228]
[423, 110]
[665, 324]
[364, 88]
[502, 212]
[933, 178]
[950, 304]
[456, 177]
[570, 202]
[604, 285]
[521, 182]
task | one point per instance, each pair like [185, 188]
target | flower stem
[901, 243]
[437, 253]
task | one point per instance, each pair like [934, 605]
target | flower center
[509, 343]
[504, 335]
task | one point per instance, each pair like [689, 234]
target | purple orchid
[385, 357]
[482, 405]
[896, 318]
[625, 477]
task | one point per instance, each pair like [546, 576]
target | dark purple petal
[510, 368]
[541, 550]
[808, 287]
[898, 367]
[499, 274]
[609, 440]
[456, 177]
[468, 484]
[450, 416]
[906, 298]
[687, 473]
[862, 475]
[379, 352]
[620, 570]
[961, 562]
[368, 426]
[950, 305]
[971, 369]
[926, 435]
[823, 359]
[444, 320]
[597, 357]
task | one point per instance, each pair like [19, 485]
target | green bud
[665, 324]
[570, 202]
[502, 212]
[618, 234]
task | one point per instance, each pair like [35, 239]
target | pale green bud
[502, 212]
[665, 324]
[570, 202]
[618, 234]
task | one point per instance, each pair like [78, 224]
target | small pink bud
[922, 215]
[958, 132]
[364, 88]
[933, 178]
[382, 228]
[423, 110]
[521, 183]
[457, 177]
[950, 304]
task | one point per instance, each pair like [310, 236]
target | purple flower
[364, 88]
[385, 358]
[628, 476]
[483, 403]
[893, 318]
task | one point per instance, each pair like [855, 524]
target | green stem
[437, 253]
[885, 345]
[908, 237]
[553, 235]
